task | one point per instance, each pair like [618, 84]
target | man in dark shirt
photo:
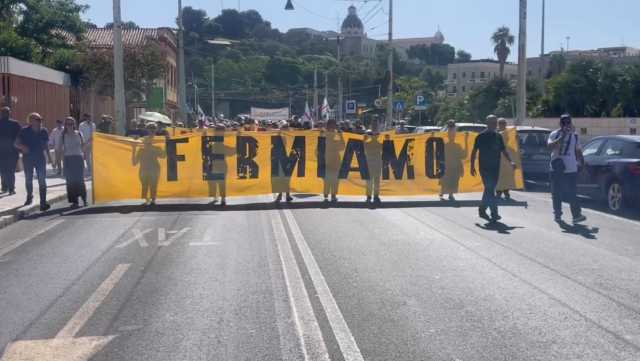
[106, 125]
[9, 130]
[33, 142]
[491, 146]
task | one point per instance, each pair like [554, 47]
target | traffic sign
[399, 106]
[421, 103]
[379, 104]
[352, 107]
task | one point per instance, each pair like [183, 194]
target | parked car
[427, 129]
[612, 171]
[536, 157]
[468, 127]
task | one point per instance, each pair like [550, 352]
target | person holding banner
[217, 185]
[148, 157]
[334, 145]
[71, 146]
[282, 183]
[454, 163]
[373, 151]
[490, 146]
[507, 180]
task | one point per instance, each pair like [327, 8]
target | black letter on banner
[280, 160]
[397, 163]
[435, 162]
[209, 157]
[356, 147]
[173, 158]
[247, 148]
[322, 157]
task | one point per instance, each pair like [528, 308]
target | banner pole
[93, 185]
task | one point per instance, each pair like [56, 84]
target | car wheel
[615, 197]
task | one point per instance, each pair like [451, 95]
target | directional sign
[379, 104]
[399, 106]
[421, 103]
[352, 107]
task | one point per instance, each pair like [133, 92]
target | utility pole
[326, 94]
[522, 65]
[118, 70]
[543, 28]
[390, 92]
[182, 76]
[340, 107]
[315, 94]
[213, 90]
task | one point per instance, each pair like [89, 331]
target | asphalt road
[411, 280]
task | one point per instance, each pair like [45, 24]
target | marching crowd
[71, 143]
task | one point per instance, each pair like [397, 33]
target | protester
[566, 154]
[71, 146]
[490, 146]
[507, 179]
[33, 142]
[282, 184]
[148, 158]
[106, 125]
[373, 152]
[9, 155]
[54, 142]
[87, 128]
[334, 145]
[454, 162]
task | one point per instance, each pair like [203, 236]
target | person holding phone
[566, 156]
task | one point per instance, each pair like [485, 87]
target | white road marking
[16, 244]
[203, 244]
[587, 210]
[162, 235]
[91, 305]
[137, 236]
[347, 343]
[306, 325]
[174, 236]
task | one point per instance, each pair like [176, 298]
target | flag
[307, 114]
[325, 110]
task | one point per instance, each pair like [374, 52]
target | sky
[466, 24]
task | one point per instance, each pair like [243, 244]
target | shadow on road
[579, 230]
[498, 227]
[126, 209]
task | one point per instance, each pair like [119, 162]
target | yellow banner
[216, 163]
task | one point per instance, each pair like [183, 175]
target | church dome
[352, 21]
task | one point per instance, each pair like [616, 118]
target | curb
[22, 212]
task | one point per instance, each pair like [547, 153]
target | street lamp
[289, 5]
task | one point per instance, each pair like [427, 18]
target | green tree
[502, 40]
[434, 54]
[125, 25]
[484, 101]
[283, 71]
[462, 56]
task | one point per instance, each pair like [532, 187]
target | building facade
[355, 41]
[463, 78]
[164, 95]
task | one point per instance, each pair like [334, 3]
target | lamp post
[182, 81]
[522, 65]
[118, 70]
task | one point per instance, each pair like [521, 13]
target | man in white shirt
[55, 142]
[87, 128]
[566, 154]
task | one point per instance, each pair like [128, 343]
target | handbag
[557, 165]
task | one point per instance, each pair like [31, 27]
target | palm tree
[503, 40]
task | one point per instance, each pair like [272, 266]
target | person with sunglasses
[33, 143]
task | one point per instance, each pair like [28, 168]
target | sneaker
[279, 198]
[557, 218]
[45, 207]
[334, 199]
[377, 199]
[29, 201]
[452, 198]
[442, 197]
[12, 192]
[223, 203]
[495, 218]
[368, 199]
[74, 205]
[579, 219]
[289, 199]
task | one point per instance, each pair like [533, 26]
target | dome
[439, 36]
[352, 20]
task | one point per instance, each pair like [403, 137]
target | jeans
[489, 199]
[40, 166]
[564, 188]
[8, 171]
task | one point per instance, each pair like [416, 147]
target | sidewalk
[11, 207]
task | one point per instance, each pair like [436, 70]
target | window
[614, 148]
[464, 75]
[633, 131]
[530, 73]
[464, 88]
[482, 75]
[473, 75]
[455, 75]
[593, 147]
[584, 131]
[454, 89]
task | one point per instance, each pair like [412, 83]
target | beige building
[463, 78]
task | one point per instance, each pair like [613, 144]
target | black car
[535, 154]
[612, 171]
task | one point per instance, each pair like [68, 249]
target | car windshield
[533, 138]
